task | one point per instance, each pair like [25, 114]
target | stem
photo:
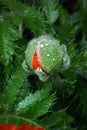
[21, 118]
[58, 82]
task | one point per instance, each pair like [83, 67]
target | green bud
[46, 56]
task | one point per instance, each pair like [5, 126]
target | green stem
[58, 82]
[21, 118]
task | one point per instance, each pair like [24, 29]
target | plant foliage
[25, 99]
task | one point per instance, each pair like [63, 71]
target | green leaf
[83, 14]
[13, 87]
[33, 17]
[51, 11]
[16, 6]
[60, 118]
[8, 36]
[42, 107]
[82, 93]
[30, 16]
[32, 99]
[6, 48]
[65, 24]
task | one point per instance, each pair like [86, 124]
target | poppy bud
[46, 56]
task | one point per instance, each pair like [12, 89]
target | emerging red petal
[35, 61]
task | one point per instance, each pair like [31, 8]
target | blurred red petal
[37, 128]
[22, 127]
[25, 127]
[8, 127]
[28, 127]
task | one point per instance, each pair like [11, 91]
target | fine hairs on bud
[45, 55]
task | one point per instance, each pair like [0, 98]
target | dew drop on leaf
[41, 46]
[48, 55]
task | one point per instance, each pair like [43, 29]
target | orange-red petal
[35, 61]
[28, 127]
[8, 127]
[22, 127]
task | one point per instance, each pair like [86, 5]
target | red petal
[28, 127]
[8, 127]
[37, 128]
[22, 127]
[25, 127]
[35, 61]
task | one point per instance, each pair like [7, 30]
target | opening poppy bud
[46, 56]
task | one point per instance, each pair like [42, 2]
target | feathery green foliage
[8, 35]
[60, 119]
[29, 15]
[51, 11]
[32, 99]
[23, 97]
[14, 85]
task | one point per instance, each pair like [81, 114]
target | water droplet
[47, 44]
[1, 18]
[64, 48]
[66, 61]
[48, 55]
[27, 11]
[41, 45]
[54, 59]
